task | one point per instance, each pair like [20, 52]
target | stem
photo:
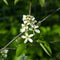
[10, 42]
[52, 42]
[30, 7]
[48, 16]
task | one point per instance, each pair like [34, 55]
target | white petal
[28, 23]
[24, 17]
[37, 31]
[5, 55]
[33, 19]
[23, 36]
[26, 34]
[32, 25]
[30, 40]
[25, 41]
[31, 35]
[22, 30]
[22, 25]
[36, 26]
[25, 22]
[5, 50]
[26, 27]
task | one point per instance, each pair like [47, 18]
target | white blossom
[27, 37]
[33, 18]
[32, 23]
[4, 53]
[28, 19]
[24, 17]
[34, 28]
[24, 27]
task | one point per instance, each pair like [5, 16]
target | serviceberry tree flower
[34, 28]
[27, 37]
[24, 27]
[28, 18]
[4, 53]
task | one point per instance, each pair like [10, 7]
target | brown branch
[10, 42]
[48, 16]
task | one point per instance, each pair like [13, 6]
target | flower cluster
[4, 53]
[29, 25]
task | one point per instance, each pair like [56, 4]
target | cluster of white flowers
[4, 53]
[29, 25]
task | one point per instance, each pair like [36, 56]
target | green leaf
[13, 30]
[39, 51]
[20, 49]
[31, 50]
[46, 48]
[5, 1]
[22, 57]
[15, 2]
[42, 2]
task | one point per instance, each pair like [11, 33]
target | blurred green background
[11, 19]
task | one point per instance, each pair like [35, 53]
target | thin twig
[10, 42]
[11, 48]
[52, 42]
[48, 16]
[30, 7]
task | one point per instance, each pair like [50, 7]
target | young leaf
[20, 49]
[42, 2]
[15, 2]
[5, 1]
[46, 49]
